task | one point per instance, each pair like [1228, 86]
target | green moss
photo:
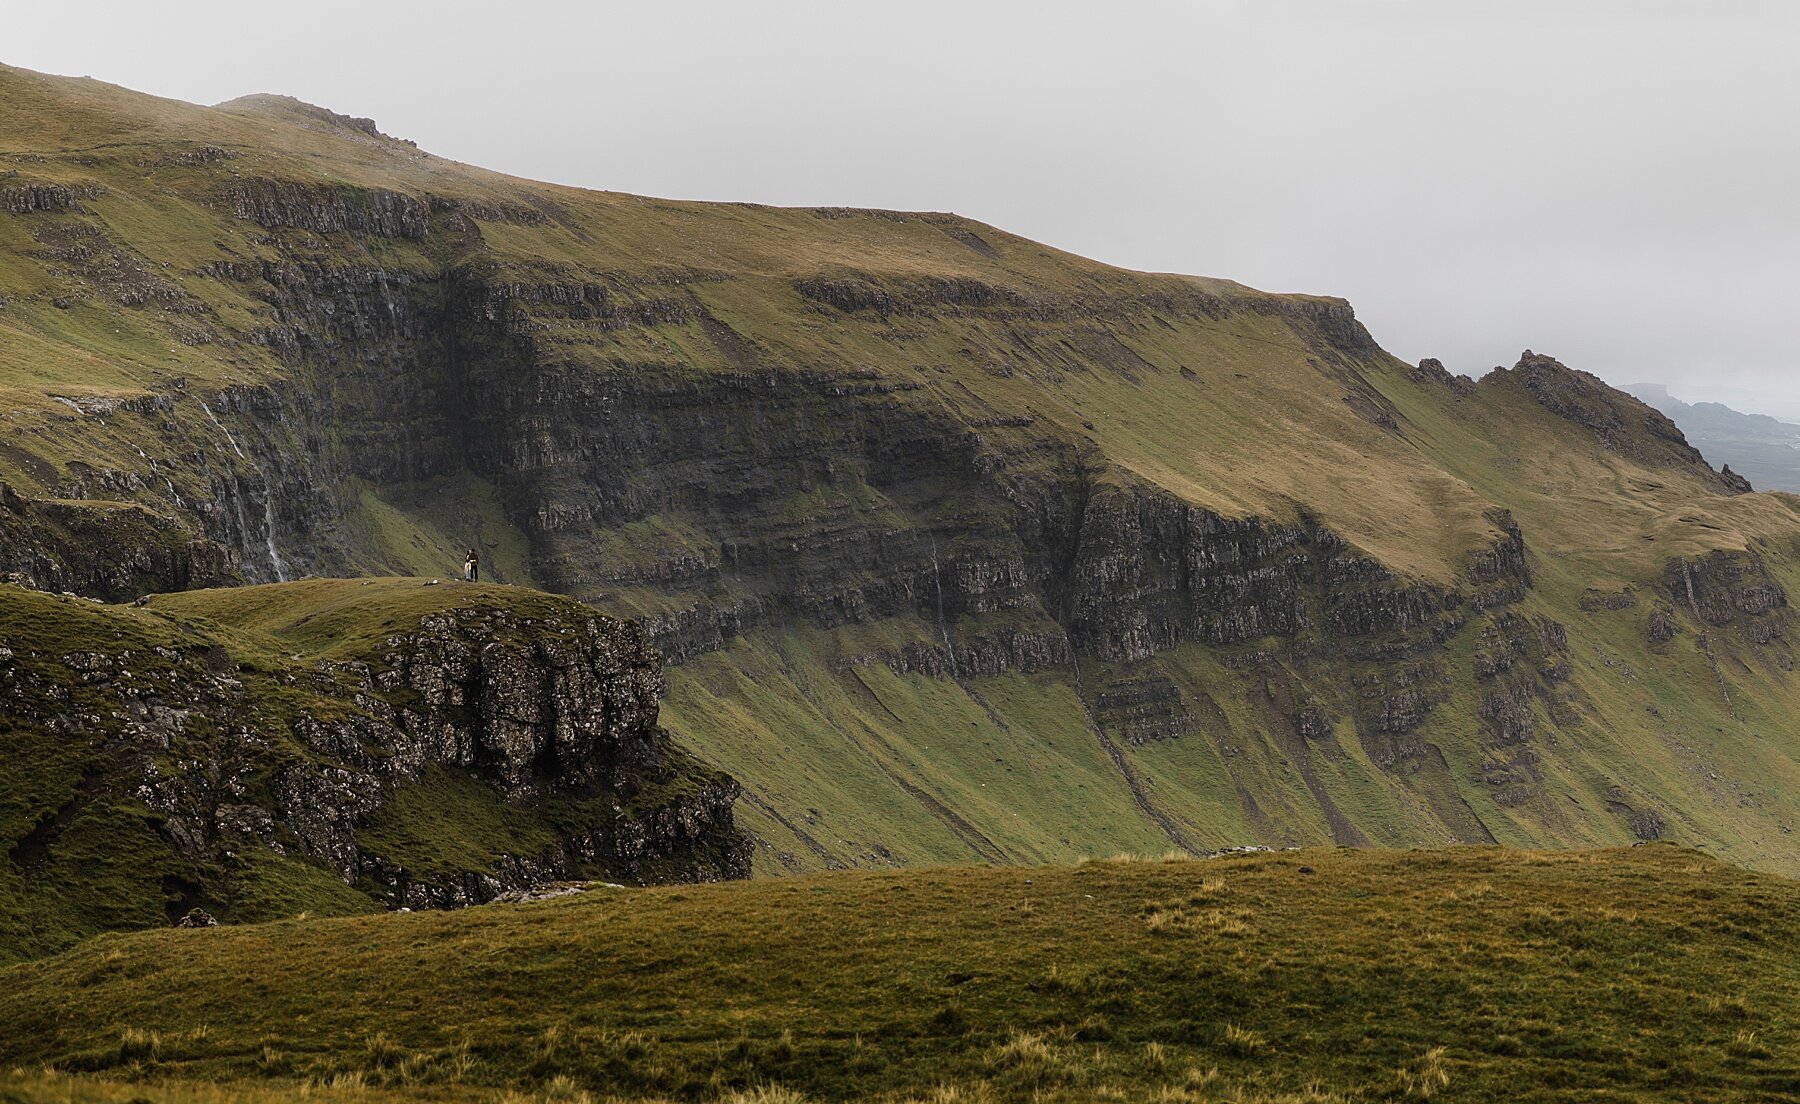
[449, 823]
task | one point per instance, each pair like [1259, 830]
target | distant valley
[1762, 449]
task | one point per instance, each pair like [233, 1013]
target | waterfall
[232, 441]
[275, 560]
[276, 563]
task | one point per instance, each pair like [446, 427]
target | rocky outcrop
[976, 651]
[82, 251]
[1662, 624]
[1499, 573]
[531, 706]
[1144, 709]
[1521, 665]
[108, 551]
[482, 748]
[490, 211]
[1736, 483]
[1616, 420]
[30, 198]
[1147, 572]
[1726, 590]
[308, 114]
[1334, 319]
[1432, 371]
[195, 156]
[852, 292]
[326, 208]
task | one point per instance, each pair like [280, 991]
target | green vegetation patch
[448, 823]
[336, 618]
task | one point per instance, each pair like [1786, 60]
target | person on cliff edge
[472, 568]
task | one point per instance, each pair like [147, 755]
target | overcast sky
[1615, 182]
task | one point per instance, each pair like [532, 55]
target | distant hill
[1764, 450]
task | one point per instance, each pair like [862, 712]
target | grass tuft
[1242, 1042]
[1427, 1076]
[137, 1046]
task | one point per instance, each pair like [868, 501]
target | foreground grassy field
[1652, 973]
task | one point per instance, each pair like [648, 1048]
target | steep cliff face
[431, 747]
[108, 551]
[958, 546]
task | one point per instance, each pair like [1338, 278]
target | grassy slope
[1646, 974]
[1237, 413]
[1012, 759]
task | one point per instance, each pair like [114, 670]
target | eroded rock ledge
[475, 750]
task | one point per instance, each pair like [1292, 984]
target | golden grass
[1616, 972]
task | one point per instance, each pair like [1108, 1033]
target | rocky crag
[958, 546]
[469, 742]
